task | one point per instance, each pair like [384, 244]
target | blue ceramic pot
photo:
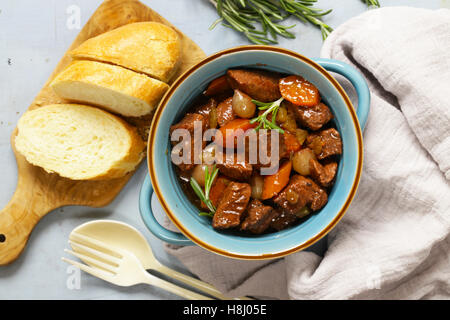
[197, 229]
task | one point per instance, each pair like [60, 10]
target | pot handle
[357, 80]
[145, 207]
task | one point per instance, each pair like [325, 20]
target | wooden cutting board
[39, 192]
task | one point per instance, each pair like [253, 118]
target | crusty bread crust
[47, 144]
[147, 47]
[110, 87]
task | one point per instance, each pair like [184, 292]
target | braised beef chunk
[282, 221]
[188, 122]
[232, 206]
[225, 112]
[233, 168]
[217, 87]
[323, 174]
[205, 110]
[260, 85]
[259, 217]
[313, 118]
[325, 143]
[299, 193]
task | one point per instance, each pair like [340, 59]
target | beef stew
[293, 129]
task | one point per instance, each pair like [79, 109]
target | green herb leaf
[206, 214]
[271, 107]
[245, 16]
[204, 195]
[372, 3]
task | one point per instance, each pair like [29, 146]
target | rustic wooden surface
[39, 192]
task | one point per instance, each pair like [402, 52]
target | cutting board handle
[17, 220]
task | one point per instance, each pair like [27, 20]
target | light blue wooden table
[33, 37]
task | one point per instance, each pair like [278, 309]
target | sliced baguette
[79, 142]
[147, 47]
[110, 87]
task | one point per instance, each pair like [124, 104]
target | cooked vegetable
[225, 112]
[292, 196]
[290, 124]
[275, 183]
[299, 91]
[217, 86]
[300, 161]
[257, 184]
[199, 173]
[268, 108]
[204, 195]
[208, 154]
[232, 131]
[301, 135]
[291, 142]
[216, 192]
[316, 145]
[243, 105]
[282, 115]
[213, 118]
[303, 212]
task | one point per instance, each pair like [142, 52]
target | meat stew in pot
[289, 173]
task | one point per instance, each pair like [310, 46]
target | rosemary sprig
[204, 195]
[304, 11]
[244, 15]
[270, 107]
[372, 3]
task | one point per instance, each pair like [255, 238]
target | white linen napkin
[393, 242]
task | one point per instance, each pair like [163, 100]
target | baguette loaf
[147, 47]
[79, 142]
[110, 87]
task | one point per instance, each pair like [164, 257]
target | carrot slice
[299, 91]
[216, 192]
[217, 86]
[233, 130]
[275, 183]
[291, 142]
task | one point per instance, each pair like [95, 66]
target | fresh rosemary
[243, 15]
[270, 107]
[204, 195]
[372, 3]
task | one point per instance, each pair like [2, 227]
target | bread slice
[110, 87]
[147, 47]
[79, 142]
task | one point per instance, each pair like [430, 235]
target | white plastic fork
[119, 266]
